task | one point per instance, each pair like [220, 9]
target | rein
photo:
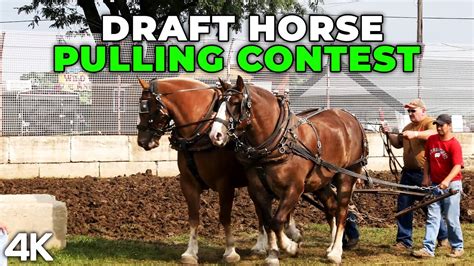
[182, 143]
[273, 142]
[144, 108]
[285, 139]
[393, 163]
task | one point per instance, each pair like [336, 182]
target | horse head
[154, 116]
[234, 113]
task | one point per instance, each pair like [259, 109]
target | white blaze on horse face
[218, 134]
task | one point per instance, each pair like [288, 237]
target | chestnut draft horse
[287, 155]
[190, 105]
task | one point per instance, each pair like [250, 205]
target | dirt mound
[150, 207]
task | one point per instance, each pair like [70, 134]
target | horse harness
[199, 139]
[284, 141]
[287, 142]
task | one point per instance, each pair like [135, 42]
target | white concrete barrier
[39, 149]
[108, 156]
[99, 148]
[4, 144]
[35, 214]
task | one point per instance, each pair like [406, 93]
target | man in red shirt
[443, 169]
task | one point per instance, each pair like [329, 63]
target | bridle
[245, 117]
[161, 109]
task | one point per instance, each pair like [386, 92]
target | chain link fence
[36, 101]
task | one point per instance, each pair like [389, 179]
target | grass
[374, 248]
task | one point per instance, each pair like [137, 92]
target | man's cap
[415, 103]
[443, 119]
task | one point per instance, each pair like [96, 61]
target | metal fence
[36, 101]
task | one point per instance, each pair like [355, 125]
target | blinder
[161, 109]
[245, 109]
[144, 107]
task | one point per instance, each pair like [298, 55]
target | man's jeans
[405, 222]
[450, 209]
[351, 231]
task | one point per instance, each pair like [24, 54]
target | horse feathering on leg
[290, 150]
[190, 104]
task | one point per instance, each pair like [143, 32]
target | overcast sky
[458, 29]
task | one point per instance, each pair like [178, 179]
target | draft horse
[287, 155]
[191, 105]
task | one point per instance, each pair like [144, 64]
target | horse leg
[192, 194]
[273, 252]
[286, 206]
[344, 185]
[328, 198]
[261, 246]
[226, 199]
[291, 230]
[263, 205]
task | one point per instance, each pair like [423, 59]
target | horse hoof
[328, 250]
[292, 249]
[272, 262]
[232, 258]
[294, 234]
[334, 259]
[189, 259]
[259, 252]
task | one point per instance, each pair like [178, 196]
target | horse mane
[261, 91]
[182, 79]
[308, 111]
[173, 82]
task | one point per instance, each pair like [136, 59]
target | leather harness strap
[198, 141]
[288, 142]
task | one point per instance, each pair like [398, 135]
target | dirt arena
[149, 207]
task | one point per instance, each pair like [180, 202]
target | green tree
[64, 13]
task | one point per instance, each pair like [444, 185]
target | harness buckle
[282, 149]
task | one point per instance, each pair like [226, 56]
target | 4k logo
[29, 247]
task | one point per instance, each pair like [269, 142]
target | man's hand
[444, 184]
[385, 128]
[409, 134]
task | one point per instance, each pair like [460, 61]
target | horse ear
[145, 85]
[240, 83]
[223, 86]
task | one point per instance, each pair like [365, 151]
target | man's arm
[424, 135]
[396, 140]
[454, 172]
[426, 174]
